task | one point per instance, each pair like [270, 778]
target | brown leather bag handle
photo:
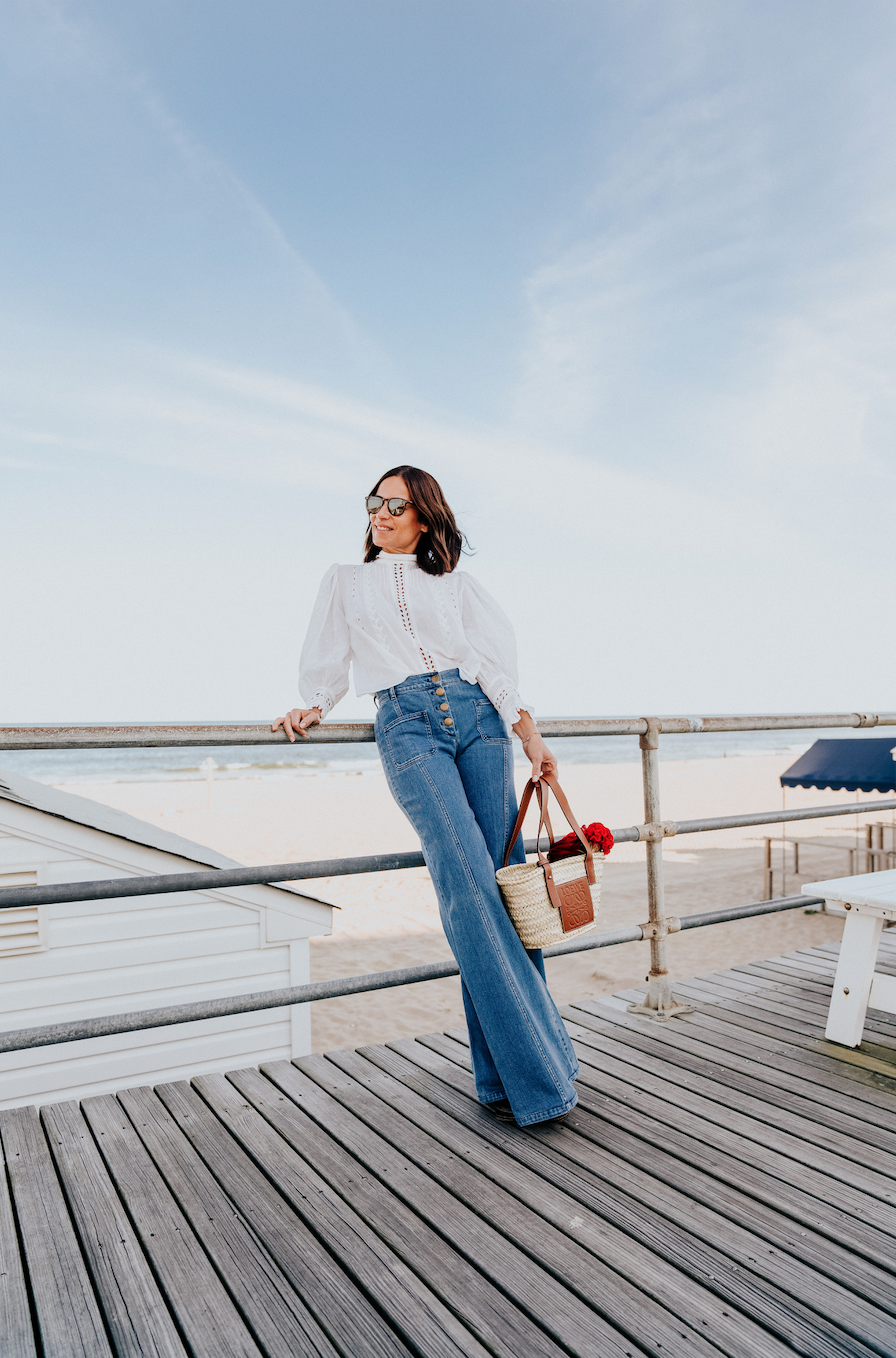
[551, 782]
[524, 807]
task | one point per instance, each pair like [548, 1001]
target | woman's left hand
[542, 760]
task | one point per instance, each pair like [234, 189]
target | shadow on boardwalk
[727, 1185]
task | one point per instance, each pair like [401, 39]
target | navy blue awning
[857, 765]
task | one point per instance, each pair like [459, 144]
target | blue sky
[623, 275]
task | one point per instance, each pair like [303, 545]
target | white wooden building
[89, 958]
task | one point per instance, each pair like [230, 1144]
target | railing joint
[654, 831]
[650, 740]
[669, 924]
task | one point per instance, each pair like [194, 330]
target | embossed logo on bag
[576, 906]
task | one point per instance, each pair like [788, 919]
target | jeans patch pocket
[489, 724]
[409, 739]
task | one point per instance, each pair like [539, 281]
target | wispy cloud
[714, 310]
[66, 48]
[203, 163]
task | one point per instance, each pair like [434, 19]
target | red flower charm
[570, 844]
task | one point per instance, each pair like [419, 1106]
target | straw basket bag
[549, 902]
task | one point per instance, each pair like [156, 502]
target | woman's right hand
[298, 720]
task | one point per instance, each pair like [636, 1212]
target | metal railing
[659, 1002]
[340, 733]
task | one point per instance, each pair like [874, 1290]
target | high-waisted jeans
[449, 764]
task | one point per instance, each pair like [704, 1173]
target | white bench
[869, 899]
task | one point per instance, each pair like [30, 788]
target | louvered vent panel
[19, 929]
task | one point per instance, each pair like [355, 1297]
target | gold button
[436, 677]
[449, 721]
[443, 707]
[440, 693]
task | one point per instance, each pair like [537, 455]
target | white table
[868, 899]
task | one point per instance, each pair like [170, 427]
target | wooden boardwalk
[727, 1185]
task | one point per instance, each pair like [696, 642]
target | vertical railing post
[659, 1002]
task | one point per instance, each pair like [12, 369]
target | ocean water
[271, 761]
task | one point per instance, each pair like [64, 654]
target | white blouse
[389, 620]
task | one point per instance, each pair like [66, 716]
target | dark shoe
[552, 1122]
[502, 1110]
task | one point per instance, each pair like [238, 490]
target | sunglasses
[395, 506]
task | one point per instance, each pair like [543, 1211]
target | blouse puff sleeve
[323, 667]
[490, 633]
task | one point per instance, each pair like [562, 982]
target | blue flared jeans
[449, 764]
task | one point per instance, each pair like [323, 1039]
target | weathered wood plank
[679, 1190]
[781, 984]
[787, 1079]
[635, 1080]
[772, 1026]
[626, 1103]
[820, 1066]
[411, 1308]
[609, 1176]
[810, 995]
[842, 1133]
[449, 1061]
[427, 1175]
[679, 1099]
[800, 1014]
[133, 1307]
[795, 1019]
[800, 984]
[348, 1317]
[726, 1186]
[809, 978]
[831, 951]
[482, 1307]
[798, 968]
[281, 1323]
[871, 1056]
[599, 1199]
[205, 1314]
[69, 1320]
[559, 1307]
[16, 1331]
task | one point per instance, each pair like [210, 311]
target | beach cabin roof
[860, 764]
[70, 960]
[82, 811]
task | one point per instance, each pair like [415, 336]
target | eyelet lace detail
[356, 600]
[405, 615]
[324, 702]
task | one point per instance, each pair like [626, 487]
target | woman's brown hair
[438, 550]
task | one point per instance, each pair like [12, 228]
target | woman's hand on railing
[297, 722]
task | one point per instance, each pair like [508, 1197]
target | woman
[439, 657]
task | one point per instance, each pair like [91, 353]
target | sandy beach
[391, 919]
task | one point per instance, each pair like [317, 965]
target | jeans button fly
[440, 693]
[443, 707]
[449, 721]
